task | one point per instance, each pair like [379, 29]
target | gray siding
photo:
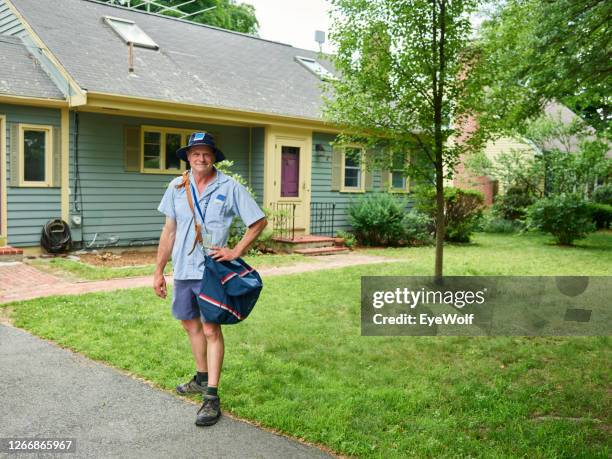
[321, 182]
[28, 209]
[9, 24]
[258, 137]
[116, 203]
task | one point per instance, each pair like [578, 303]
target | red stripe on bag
[245, 272]
[227, 277]
[221, 305]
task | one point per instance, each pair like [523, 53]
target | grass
[270, 260]
[511, 254]
[299, 364]
[77, 270]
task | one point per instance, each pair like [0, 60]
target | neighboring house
[490, 186]
[89, 124]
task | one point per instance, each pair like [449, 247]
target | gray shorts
[184, 299]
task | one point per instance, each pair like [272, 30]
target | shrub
[378, 219]
[349, 238]
[263, 244]
[565, 216]
[418, 228]
[463, 210]
[494, 224]
[601, 214]
[603, 194]
[513, 205]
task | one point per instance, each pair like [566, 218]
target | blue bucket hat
[200, 138]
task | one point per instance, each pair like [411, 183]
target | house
[95, 99]
[489, 185]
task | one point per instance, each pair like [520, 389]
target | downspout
[78, 192]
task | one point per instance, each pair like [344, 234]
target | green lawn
[299, 364]
[516, 254]
[77, 270]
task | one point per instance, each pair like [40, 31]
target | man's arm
[252, 233]
[164, 251]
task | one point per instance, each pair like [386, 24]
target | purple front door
[290, 172]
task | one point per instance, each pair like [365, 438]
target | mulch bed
[117, 260]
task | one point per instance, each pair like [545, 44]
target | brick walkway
[19, 281]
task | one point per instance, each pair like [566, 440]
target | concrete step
[304, 239]
[316, 251]
[302, 242]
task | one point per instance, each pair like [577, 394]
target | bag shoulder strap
[197, 227]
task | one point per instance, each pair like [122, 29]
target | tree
[226, 14]
[402, 77]
[534, 51]
[570, 160]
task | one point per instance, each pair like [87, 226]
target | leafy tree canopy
[533, 51]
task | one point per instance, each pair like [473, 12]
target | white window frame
[361, 187]
[406, 188]
[48, 130]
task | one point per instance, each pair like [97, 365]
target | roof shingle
[20, 73]
[195, 64]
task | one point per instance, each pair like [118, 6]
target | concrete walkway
[19, 281]
[49, 392]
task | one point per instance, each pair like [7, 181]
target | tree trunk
[440, 226]
[438, 86]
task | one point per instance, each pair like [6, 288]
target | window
[397, 176]
[352, 169]
[315, 67]
[35, 155]
[158, 149]
[130, 32]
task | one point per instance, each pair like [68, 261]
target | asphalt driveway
[50, 392]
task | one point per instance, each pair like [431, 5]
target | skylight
[130, 32]
[316, 68]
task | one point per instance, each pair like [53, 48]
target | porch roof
[20, 73]
[195, 64]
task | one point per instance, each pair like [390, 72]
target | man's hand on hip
[223, 254]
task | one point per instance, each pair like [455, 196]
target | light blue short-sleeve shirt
[221, 201]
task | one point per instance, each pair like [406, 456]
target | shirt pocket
[216, 213]
[181, 207]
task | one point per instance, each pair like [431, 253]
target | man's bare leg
[194, 330]
[215, 347]
[210, 411]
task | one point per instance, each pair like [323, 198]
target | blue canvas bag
[229, 289]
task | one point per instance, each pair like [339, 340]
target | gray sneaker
[209, 412]
[191, 387]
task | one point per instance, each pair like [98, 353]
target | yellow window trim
[48, 155]
[185, 133]
[352, 189]
[406, 188]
